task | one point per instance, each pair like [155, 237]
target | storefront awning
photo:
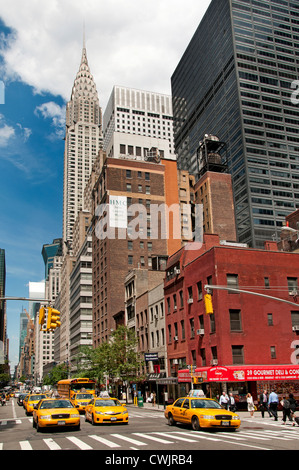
[241, 373]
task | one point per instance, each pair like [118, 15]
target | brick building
[244, 329]
[126, 181]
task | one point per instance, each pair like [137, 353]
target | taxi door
[178, 411]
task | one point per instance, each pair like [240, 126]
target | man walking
[264, 403]
[273, 404]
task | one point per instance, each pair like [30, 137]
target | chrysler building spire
[83, 140]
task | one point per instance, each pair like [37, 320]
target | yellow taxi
[80, 400]
[55, 412]
[106, 410]
[31, 400]
[201, 413]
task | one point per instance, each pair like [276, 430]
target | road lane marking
[153, 438]
[104, 441]
[52, 444]
[25, 445]
[82, 445]
[128, 439]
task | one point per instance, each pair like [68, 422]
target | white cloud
[56, 113]
[134, 43]
[6, 132]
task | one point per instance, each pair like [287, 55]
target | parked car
[21, 398]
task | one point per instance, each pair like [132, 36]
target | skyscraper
[235, 81]
[83, 139]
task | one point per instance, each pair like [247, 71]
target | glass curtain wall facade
[235, 80]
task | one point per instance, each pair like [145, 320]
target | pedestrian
[231, 403]
[264, 403]
[250, 404]
[286, 409]
[154, 398]
[223, 401]
[293, 407]
[273, 404]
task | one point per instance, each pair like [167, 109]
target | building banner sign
[243, 373]
[118, 211]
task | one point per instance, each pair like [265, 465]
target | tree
[117, 359]
[59, 372]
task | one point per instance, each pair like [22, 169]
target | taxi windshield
[205, 404]
[53, 404]
[107, 403]
[36, 397]
[82, 396]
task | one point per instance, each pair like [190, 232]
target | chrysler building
[83, 139]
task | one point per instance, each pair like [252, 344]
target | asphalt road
[148, 432]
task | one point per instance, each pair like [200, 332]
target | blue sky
[134, 43]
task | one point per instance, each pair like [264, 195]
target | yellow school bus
[69, 387]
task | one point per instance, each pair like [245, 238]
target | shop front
[240, 380]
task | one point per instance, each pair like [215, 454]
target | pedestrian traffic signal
[53, 319]
[208, 304]
[41, 318]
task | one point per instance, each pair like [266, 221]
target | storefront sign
[151, 357]
[242, 373]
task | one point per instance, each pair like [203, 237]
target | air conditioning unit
[214, 362]
[175, 361]
[201, 331]
[175, 338]
[190, 301]
[295, 328]
[293, 292]
[177, 271]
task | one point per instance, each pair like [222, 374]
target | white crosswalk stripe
[128, 439]
[153, 438]
[104, 441]
[82, 445]
[25, 445]
[52, 444]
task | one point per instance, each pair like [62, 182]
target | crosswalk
[137, 440]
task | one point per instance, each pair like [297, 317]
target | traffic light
[53, 320]
[208, 304]
[197, 380]
[41, 318]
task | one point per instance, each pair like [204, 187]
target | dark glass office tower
[2, 294]
[235, 80]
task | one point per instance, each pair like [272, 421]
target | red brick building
[244, 329]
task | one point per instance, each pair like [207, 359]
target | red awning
[241, 373]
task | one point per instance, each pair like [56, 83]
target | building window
[295, 318]
[199, 290]
[267, 282]
[238, 354]
[270, 319]
[181, 299]
[273, 352]
[235, 320]
[183, 329]
[130, 259]
[191, 327]
[130, 245]
[293, 285]
[212, 323]
[129, 187]
[169, 334]
[168, 304]
[232, 281]
[128, 173]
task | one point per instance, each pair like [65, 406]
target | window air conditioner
[214, 362]
[190, 301]
[201, 331]
[295, 328]
[175, 338]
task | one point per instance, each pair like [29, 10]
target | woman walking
[250, 404]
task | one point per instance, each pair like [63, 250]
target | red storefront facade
[246, 333]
